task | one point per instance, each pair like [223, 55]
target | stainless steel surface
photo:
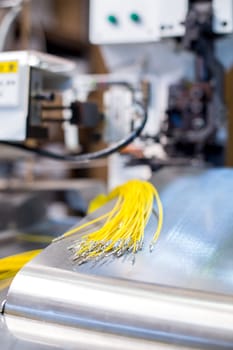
[9, 342]
[117, 308]
[122, 301]
[70, 338]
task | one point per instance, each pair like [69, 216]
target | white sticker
[9, 90]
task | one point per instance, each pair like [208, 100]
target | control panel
[135, 21]
[139, 21]
[119, 21]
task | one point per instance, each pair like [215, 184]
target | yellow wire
[5, 283]
[11, 265]
[123, 230]
[34, 238]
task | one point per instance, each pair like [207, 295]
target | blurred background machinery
[104, 90]
[180, 82]
[156, 85]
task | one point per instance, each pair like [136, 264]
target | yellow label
[9, 67]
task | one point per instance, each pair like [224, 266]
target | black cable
[88, 156]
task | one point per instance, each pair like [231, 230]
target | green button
[135, 17]
[112, 19]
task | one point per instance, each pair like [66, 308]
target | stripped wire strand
[123, 227]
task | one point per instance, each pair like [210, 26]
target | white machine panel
[138, 21]
[14, 92]
[172, 16]
[124, 21]
[135, 21]
[17, 88]
[223, 16]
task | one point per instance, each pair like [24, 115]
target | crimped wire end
[122, 232]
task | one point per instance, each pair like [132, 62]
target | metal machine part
[120, 92]
[179, 294]
[73, 338]
[194, 118]
[24, 77]
[187, 115]
[196, 111]
[27, 79]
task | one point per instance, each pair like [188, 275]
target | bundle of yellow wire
[124, 226]
[122, 231]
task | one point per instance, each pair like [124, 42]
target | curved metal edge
[120, 308]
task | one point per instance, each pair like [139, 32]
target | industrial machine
[29, 79]
[190, 124]
[180, 295]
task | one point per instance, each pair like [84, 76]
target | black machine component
[82, 114]
[196, 109]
